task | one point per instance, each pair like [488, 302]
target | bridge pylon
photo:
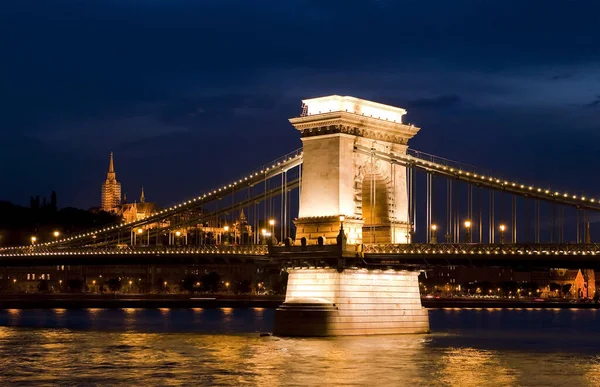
[349, 198]
[371, 195]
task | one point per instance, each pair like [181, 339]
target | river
[468, 347]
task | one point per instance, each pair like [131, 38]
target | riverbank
[462, 303]
[83, 301]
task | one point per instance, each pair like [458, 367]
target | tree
[244, 287]
[190, 283]
[53, 205]
[43, 286]
[114, 284]
[566, 289]
[75, 285]
[162, 285]
[509, 287]
[280, 286]
[554, 287]
[211, 282]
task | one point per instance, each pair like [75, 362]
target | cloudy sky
[189, 93]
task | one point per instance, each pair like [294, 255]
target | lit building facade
[111, 190]
[132, 212]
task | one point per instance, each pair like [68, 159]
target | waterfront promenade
[79, 301]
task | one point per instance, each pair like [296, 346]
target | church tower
[111, 189]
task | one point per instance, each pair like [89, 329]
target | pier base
[324, 302]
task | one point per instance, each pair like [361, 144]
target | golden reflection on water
[472, 367]
[128, 357]
[94, 311]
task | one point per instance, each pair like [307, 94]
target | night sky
[190, 94]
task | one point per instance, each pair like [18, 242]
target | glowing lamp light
[140, 231]
[467, 223]
[263, 231]
[226, 228]
[33, 239]
[502, 227]
[434, 227]
[342, 218]
[56, 234]
[271, 222]
[178, 233]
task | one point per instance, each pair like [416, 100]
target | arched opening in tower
[375, 210]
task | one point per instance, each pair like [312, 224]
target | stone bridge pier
[371, 199]
[325, 302]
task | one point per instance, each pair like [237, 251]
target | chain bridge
[354, 208]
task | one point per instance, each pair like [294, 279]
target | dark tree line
[18, 223]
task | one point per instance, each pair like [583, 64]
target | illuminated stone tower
[111, 189]
[370, 194]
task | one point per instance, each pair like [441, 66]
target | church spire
[143, 197]
[111, 175]
[111, 165]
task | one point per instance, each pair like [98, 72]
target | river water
[468, 347]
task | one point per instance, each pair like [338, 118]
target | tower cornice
[356, 125]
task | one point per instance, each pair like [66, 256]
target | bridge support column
[325, 302]
[339, 181]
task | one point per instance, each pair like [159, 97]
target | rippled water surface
[222, 347]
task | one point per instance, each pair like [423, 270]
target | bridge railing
[130, 250]
[482, 248]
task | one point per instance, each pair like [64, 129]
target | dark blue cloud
[196, 91]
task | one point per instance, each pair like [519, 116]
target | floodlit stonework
[324, 302]
[111, 189]
[336, 180]
[370, 197]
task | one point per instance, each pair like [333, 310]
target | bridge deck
[416, 256]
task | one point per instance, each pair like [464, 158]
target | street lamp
[272, 224]
[226, 230]
[502, 228]
[139, 231]
[56, 234]
[468, 227]
[33, 240]
[434, 233]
